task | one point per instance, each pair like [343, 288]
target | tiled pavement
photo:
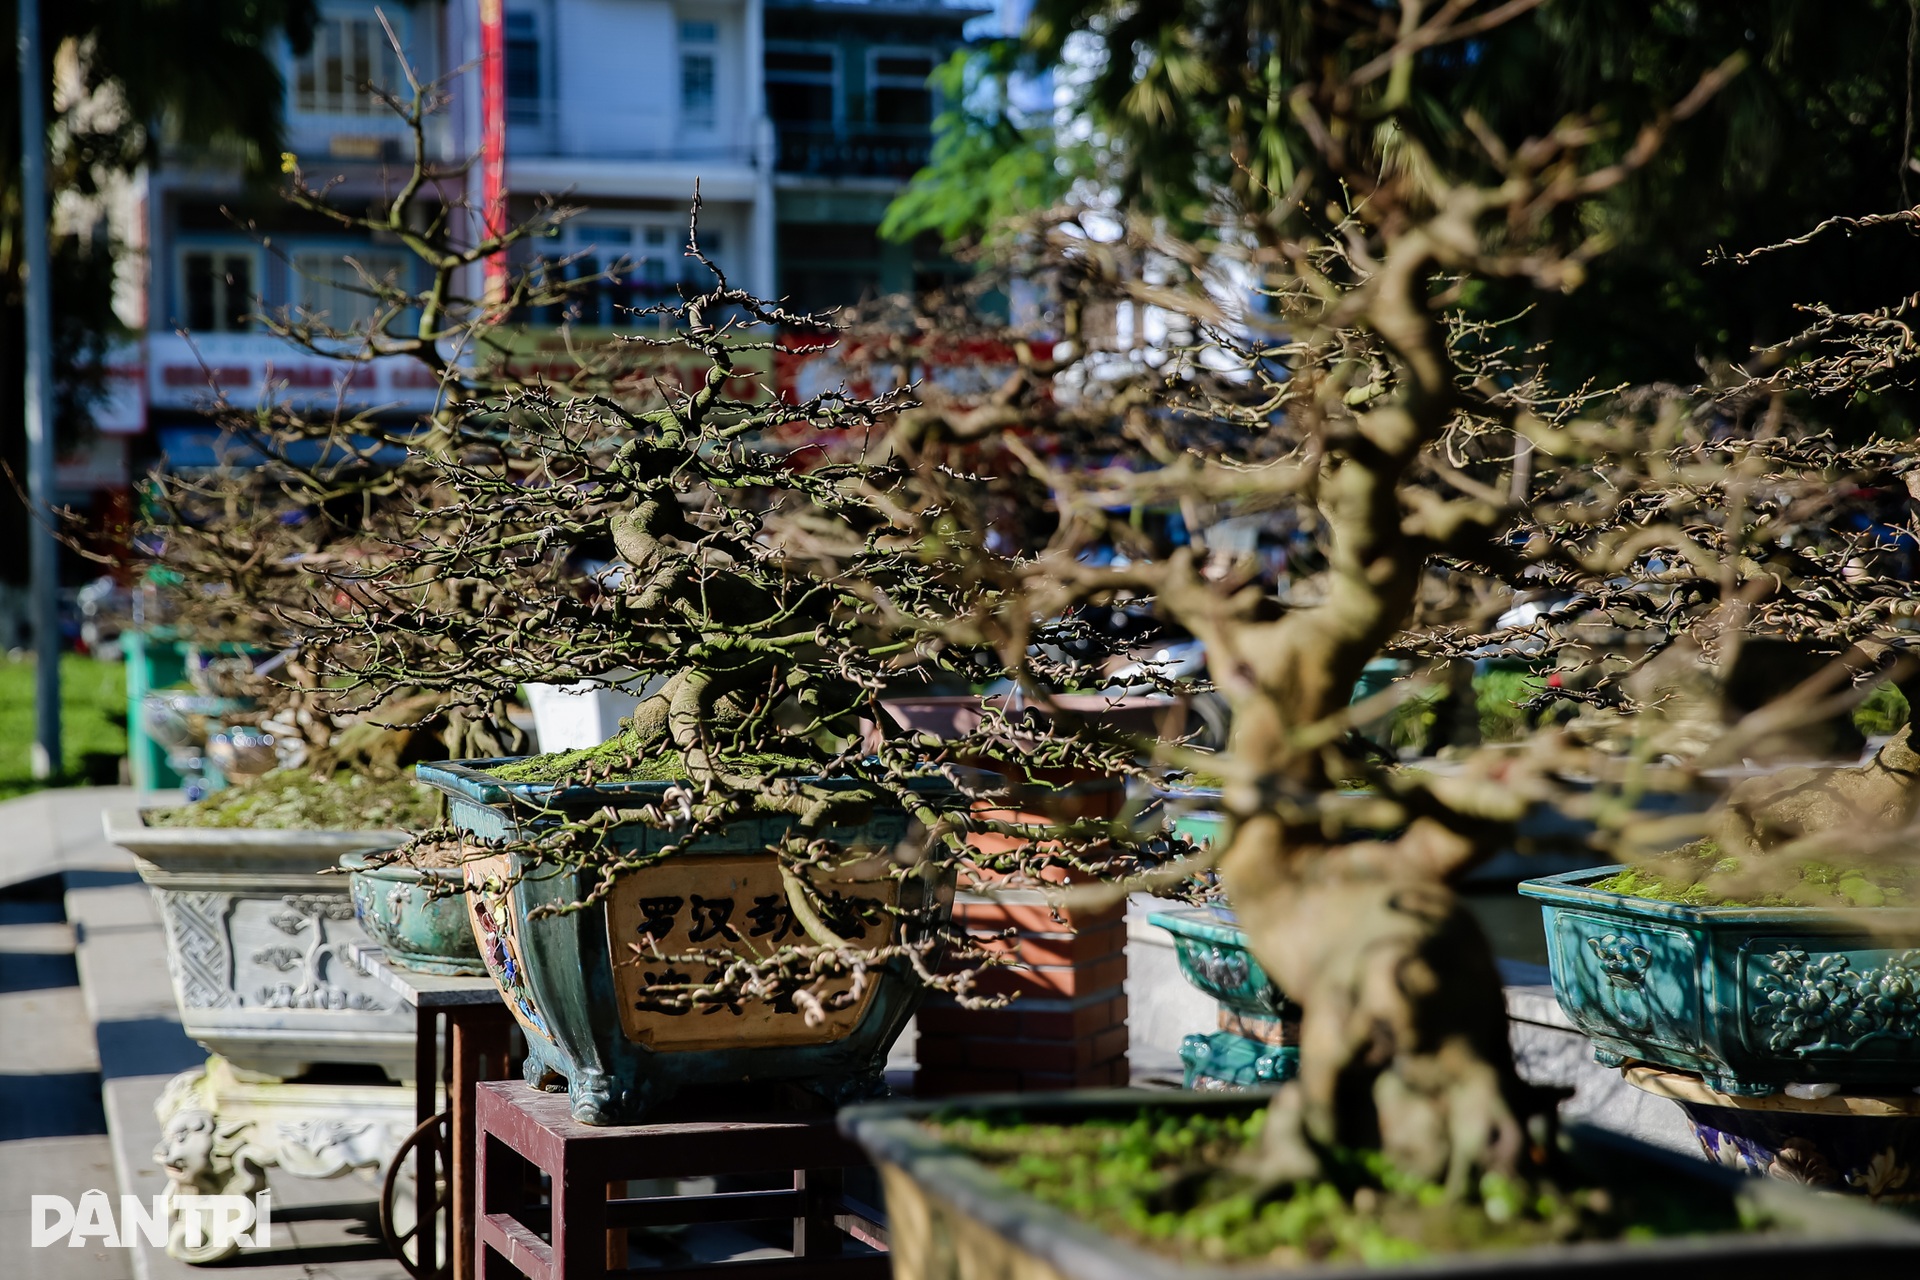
[53, 1131]
[88, 1038]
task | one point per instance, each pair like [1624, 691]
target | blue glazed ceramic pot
[577, 981]
[1749, 998]
[1258, 1040]
[417, 927]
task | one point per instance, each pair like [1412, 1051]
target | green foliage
[1164, 1180]
[295, 800]
[1883, 713]
[1498, 695]
[987, 168]
[93, 711]
[201, 73]
[1184, 106]
[1410, 725]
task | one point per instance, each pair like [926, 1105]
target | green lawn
[93, 713]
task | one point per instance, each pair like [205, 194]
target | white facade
[617, 107]
[622, 106]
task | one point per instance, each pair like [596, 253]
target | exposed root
[1404, 1029]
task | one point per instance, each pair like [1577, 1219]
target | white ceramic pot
[568, 717]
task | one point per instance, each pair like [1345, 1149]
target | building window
[901, 95]
[801, 86]
[698, 87]
[336, 295]
[634, 265]
[217, 289]
[348, 54]
[523, 68]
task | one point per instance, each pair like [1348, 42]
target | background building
[852, 114]
[799, 119]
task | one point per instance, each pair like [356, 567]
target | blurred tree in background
[1183, 109]
[126, 80]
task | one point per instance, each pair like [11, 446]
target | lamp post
[43, 556]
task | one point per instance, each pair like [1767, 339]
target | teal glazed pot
[590, 1029]
[1750, 998]
[1257, 1043]
[417, 916]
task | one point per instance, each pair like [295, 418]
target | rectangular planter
[1751, 998]
[259, 945]
[580, 991]
[952, 1218]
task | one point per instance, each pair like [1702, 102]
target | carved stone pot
[1752, 999]
[222, 1128]
[260, 946]
[578, 981]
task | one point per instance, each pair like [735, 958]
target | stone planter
[417, 916]
[1751, 999]
[579, 989]
[952, 1218]
[222, 1129]
[1258, 1042]
[259, 946]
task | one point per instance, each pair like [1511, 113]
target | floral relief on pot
[493, 930]
[1828, 1002]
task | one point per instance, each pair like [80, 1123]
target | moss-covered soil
[1699, 875]
[295, 800]
[1161, 1180]
[622, 759]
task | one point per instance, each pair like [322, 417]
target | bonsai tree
[304, 490]
[1302, 347]
[710, 544]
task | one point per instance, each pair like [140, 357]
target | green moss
[1160, 1179]
[1882, 713]
[1685, 877]
[621, 759]
[294, 800]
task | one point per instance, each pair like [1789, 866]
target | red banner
[493, 138]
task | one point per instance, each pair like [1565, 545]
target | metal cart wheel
[429, 1207]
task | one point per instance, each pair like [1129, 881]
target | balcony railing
[874, 152]
[604, 304]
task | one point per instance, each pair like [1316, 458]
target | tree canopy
[134, 74]
[1182, 109]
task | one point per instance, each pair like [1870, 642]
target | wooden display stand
[563, 1234]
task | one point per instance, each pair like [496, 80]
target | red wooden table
[466, 1018]
[562, 1234]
